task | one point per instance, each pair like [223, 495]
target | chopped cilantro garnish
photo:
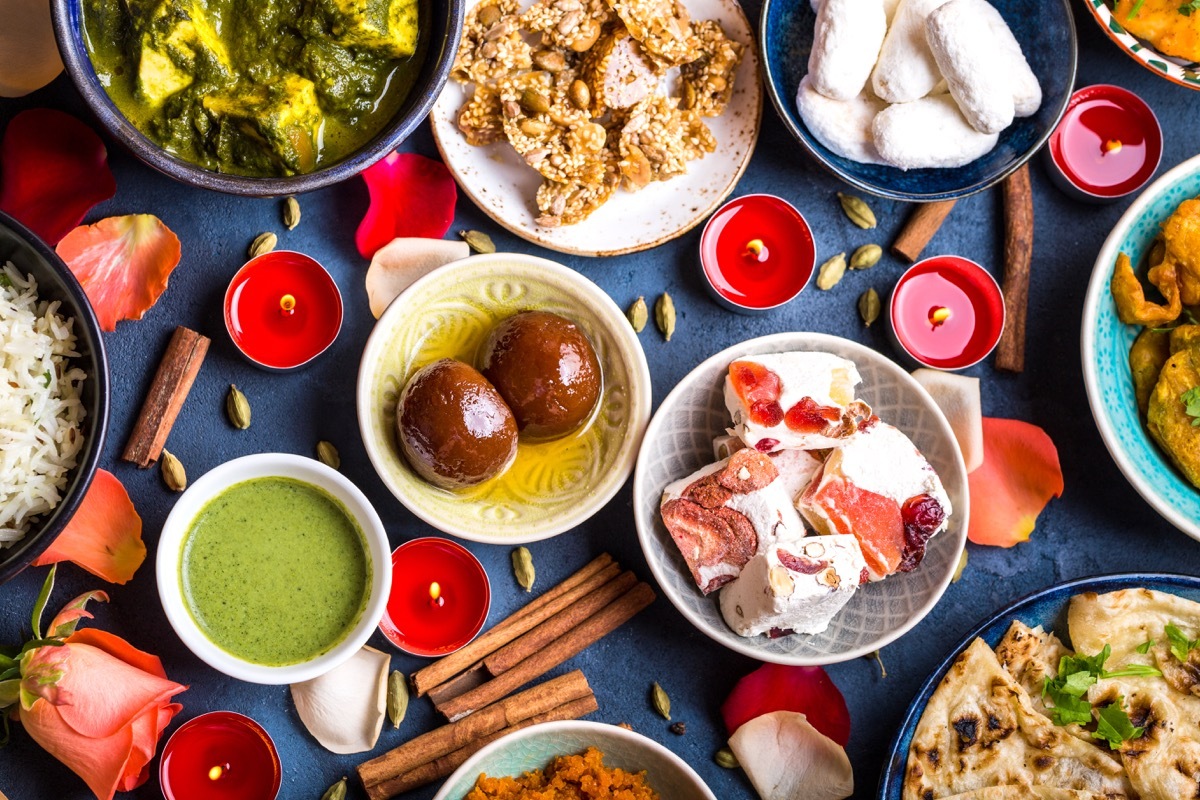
[1187, 8]
[1114, 726]
[1076, 674]
[1145, 646]
[1191, 398]
[1133, 12]
[1180, 644]
[46, 379]
[1134, 671]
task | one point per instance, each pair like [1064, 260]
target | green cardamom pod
[866, 256]
[857, 210]
[725, 758]
[336, 792]
[522, 562]
[173, 473]
[263, 243]
[662, 703]
[869, 306]
[237, 407]
[291, 213]
[638, 314]
[328, 454]
[831, 272]
[397, 698]
[664, 315]
[478, 241]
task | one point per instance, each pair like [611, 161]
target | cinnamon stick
[544, 635]
[1018, 257]
[172, 382]
[464, 682]
[574, 641]
[922, 224]
[444, 765]
[448, 738]
[595, 574]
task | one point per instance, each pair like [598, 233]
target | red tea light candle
[440, 597]
[1107, 145]
[282, 310]
[946, 313]
[757, 253]
[220, 756]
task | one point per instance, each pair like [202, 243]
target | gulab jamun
[454, 427]
[545, 369]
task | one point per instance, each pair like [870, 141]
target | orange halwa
[578, 777]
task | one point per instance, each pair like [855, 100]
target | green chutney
[275, 571]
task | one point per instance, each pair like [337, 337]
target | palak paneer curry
[256, 87]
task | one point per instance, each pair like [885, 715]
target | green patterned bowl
[1176, 70]
[553, 486]
[536, 746]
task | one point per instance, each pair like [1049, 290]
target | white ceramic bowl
[679, 441]
[462, 299]
[536, 746]
[265, 465]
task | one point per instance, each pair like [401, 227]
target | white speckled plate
[536, 746]
[503, 186]
[460, 301]
[679, 441]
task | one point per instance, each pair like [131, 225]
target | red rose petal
[105, 535]
[53, 169]
[773, 687]
[410, 196]
[1019, 475]
[123, 264]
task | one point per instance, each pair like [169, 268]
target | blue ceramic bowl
[1105, 343]
[1046, 32]
[1047, 608]
[56, 282]
[441, 29]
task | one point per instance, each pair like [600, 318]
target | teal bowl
[536, 746]
[1105, 344]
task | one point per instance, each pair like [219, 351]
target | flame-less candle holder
[439, 600]
[946, 312]
[756, 253]
[282, 310]
[221, 755]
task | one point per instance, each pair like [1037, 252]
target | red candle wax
[757, 252]
[220, 756]
[282, 309]
[947, 312]
[1109, 142]
[439, 600]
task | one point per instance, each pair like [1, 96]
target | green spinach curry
[255, 87]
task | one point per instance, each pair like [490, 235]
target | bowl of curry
[259, 97]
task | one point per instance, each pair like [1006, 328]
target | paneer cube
[179, 44]
[283, 114]
[386, 26]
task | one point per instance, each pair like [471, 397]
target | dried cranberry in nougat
[880, 489]
[723, 515]
[794, 401]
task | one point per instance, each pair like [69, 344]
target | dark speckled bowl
[1046, 32]
[55, 282]
[441, 28]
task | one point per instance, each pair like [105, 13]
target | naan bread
[980, 730]
[1027, 793]
[1125, 619]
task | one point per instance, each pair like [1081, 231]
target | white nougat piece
[1027, 91]
[969, 55]
[844, 126]
[889, 7]
[906, 70]
[846, 41]
[929, 133]
[798, 586]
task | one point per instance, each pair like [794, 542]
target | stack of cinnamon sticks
[470, 686]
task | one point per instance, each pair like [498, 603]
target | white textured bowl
[463, 297]
[679, 441]
[536, 746]
[268, 465]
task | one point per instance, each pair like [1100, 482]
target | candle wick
[757, 250]
[1112, 146]
[435, 595]
[287, 305]
[938, 315]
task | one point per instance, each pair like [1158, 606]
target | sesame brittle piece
[479, 119]
[617, 72]
[662, 26]
[659, 139]
[569, 203]
[574, 25]
[707, 82]
[559, 141]
[492, 46]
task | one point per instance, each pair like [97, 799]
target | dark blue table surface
[1100, 524]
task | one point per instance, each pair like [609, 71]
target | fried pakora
[1171, 416]
[1149, 353]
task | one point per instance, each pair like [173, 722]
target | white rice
[40, 410]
